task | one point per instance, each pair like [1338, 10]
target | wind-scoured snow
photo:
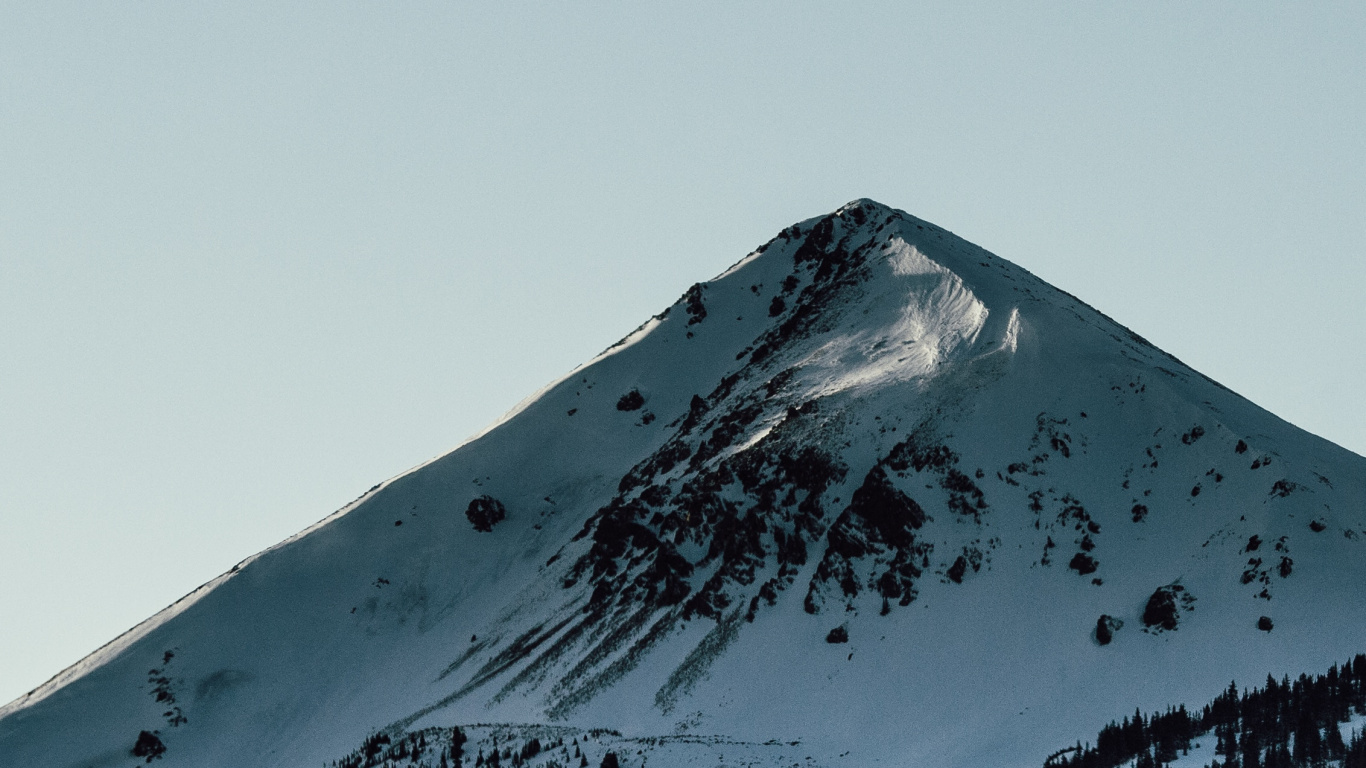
[861, 500]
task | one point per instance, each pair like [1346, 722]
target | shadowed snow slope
[862, 499]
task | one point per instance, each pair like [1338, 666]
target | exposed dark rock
[1048, 429]
[724, 431]
[775, 385]
[965, 498]
[485, 512]
[1162, 611]
[957, 570]
[832, 267]
[660, 462]
[148, 746]
[890, 513]
[879, 521]
[1048, 546]
[909, 454]
[1106, 627]
[697, 408]
[697, 311]
[631, 401]
[1194, 434]
[1283, 488]
[619, 536]
[1083, 564]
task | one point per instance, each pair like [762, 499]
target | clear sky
[255, 258]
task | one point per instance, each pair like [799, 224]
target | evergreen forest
[1283, 724]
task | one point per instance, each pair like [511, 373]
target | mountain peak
[870, 469]
[869, 208]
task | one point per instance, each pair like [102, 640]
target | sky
[257, 257]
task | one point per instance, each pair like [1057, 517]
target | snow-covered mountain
[873, 496]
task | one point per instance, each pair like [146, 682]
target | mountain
[873, 496]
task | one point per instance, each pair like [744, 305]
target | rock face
[867, 423]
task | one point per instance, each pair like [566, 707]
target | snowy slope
[868, 426]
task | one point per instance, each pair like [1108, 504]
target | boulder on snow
[485, 512]
[1163, 610]
[148, 745]
[1106, 627]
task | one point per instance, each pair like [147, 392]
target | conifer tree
[1251, 751]
[458, 740]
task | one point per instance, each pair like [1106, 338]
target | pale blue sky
[254, 259]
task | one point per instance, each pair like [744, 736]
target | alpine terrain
[873, 496]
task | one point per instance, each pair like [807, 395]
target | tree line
[1283, 724]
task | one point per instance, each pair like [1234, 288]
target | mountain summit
[873, 496]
